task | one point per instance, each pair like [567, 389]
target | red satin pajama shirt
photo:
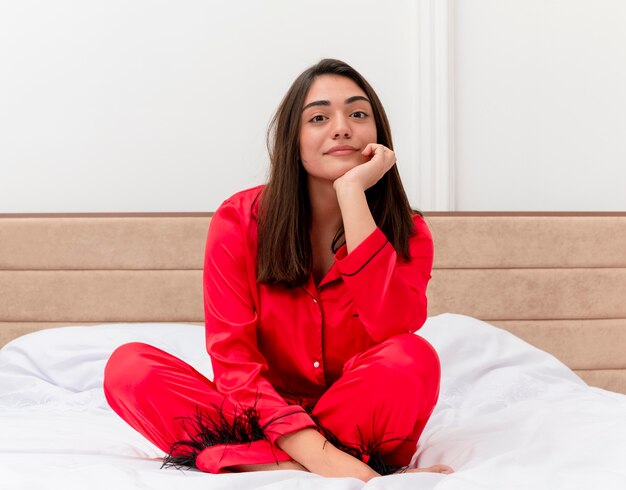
[341, 357]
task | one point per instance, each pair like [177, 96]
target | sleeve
[231, 321]
[389, 295]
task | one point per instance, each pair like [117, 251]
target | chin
[332, 169]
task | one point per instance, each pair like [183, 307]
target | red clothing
[271, 345]
[341, 352]
[376, 411]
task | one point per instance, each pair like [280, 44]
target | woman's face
[336, 113]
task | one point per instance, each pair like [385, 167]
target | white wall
[540, 105]
[145, 105]
[141, 105]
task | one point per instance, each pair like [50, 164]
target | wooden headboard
[557, 280]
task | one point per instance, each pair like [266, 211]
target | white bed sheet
[509, 416]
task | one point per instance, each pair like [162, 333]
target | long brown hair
[284, 219]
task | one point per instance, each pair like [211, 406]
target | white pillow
[65, 366]
[480, 358]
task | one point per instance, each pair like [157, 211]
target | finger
[380, 152]
[386, 153]
[390, 155]
[442, 468]
[369, 148]
[438, 468]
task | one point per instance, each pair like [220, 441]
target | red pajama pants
[379, 405]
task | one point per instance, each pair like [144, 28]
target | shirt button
[314, 300]
[316, 364]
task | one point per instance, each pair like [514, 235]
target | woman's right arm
[316, 454]
[238, 365]
[231, 330]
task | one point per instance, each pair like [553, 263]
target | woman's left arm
[390, 296]
[358, 222]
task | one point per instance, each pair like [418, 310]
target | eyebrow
[349, 100]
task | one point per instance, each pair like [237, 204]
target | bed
[526, 310]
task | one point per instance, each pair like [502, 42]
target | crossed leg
[377, 409]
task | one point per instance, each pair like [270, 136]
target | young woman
[314, 285]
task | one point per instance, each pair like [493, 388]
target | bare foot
[438, 468]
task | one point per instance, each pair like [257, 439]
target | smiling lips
[342, 150]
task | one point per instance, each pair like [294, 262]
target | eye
[318, 118]
[359, 114]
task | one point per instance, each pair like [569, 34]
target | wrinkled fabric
[379, 406]
[285, 342]
[279, 350]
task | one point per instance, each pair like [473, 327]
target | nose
[341, 127]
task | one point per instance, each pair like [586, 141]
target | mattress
[509, 416]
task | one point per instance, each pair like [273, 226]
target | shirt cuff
[288, 422]
[350, 264]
